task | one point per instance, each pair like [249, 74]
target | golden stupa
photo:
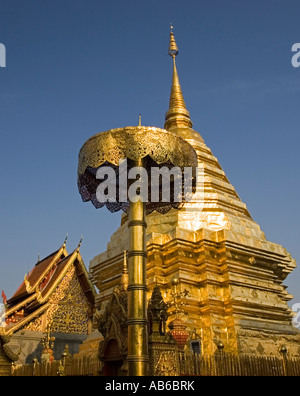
[232, 274]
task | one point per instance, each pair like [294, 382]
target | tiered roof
[34, 294]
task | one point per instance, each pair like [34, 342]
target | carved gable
[69, 311]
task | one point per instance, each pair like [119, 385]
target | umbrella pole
[137, 289]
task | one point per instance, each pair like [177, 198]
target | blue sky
[75, 68]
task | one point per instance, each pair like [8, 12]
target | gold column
[137, 289]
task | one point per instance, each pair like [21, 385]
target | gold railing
[85, 366]
[220, 364]
[225, 364]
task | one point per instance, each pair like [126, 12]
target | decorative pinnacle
[177, 116]
[173, 49]
[80, 242]
[65, 241]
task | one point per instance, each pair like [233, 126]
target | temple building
[229, 276]
[56, 298]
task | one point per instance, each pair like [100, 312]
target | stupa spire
[177, 115]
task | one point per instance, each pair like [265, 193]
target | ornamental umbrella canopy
[150, 148]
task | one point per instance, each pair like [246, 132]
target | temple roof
[33, 295]
[33, 277]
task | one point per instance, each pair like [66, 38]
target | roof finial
[177, 116]
[80, 242]
[65, 241]
[140, 119]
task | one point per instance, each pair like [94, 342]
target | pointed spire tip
[177, 115]
[173, 49]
